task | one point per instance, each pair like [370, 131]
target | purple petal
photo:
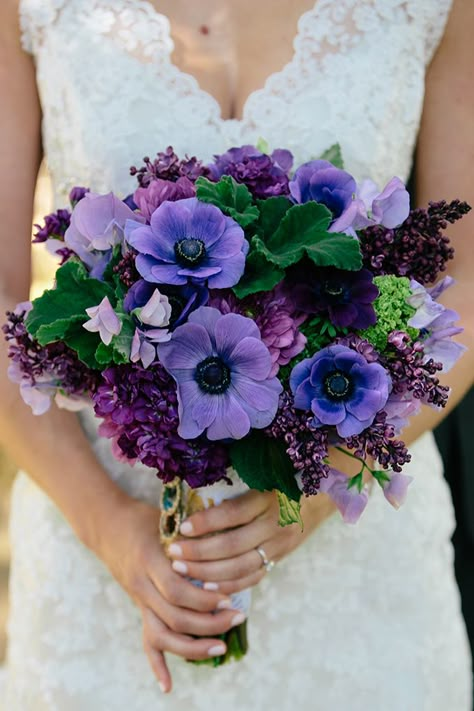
[261, 396]
[231, 421]
[231, 329]
[189, 346]
[352, 425]
[329, 413]
[145, 242]
[188, 394]
[206, 316]
[365, 403]
[395, 490]
[205, 409]
[251, 358]
[350, 502]
[231, 271]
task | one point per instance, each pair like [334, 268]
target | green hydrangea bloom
[392, 309]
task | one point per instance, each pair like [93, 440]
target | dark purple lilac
[140, 411]
[168, 166]
[411, 372]
[417, 249]
[187, 241]
[378, 442]
[307, 445]
[183, 299]
[264, 175]
[55, 226]
[345, 296]
[341, 388]
[126, 269]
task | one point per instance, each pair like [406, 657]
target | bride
[365, 617]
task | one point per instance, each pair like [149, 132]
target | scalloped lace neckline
[149, 5]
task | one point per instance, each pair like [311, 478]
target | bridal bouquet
[239, 319]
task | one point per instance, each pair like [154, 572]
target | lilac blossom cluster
[245, 298]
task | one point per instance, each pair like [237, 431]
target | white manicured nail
[186, 528]
[211, 586]
[224, 604]
[175, 549]
[179, 566]
[162, 687]
[238, 619]
[216, 651]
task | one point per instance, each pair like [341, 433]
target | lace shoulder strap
[35, 16]
[436, 13]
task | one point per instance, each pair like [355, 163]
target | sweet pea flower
[103, 320]
[395, 490]
[142, 350]
[97, 225]
[350, 502]
[388, 208]
[156, 312]
[38, 395]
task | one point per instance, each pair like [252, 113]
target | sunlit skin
[230, 57]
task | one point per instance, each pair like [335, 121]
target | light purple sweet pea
[436, 324]
[350, 502]
[103, 320]
[388, 208]
[141, 349]
[39, 395]
[395, 490]
[400, 408]
[222, 370]
[97, 225]
[187, 241]
[156, 312]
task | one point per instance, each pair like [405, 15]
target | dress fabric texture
[362, 618]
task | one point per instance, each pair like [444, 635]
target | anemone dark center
[332, 289]
[337, 385]
[177, 305]
[213, 376]
[190, 252]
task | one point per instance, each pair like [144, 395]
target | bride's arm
[445, 170]
[53, 448]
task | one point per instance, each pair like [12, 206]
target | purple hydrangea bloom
[189, 240]
[321, 181]
[350, 502]
[341, 388]
[97, 225]
[222, 369]
[264, 175]
[158, 191]
[346, 296]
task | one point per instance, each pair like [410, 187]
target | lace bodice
[111, 94]
[365, 618]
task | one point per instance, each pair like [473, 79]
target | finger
[159, 637]
[229, 587]
[220, 570]
[182, 593]
[229, 514]
[224, 545]
[200, 624]
[159, 667]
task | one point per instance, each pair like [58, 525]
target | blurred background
[43, 269]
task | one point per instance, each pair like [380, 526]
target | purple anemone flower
[222, 369]
[341, 388]
[189, 240]
[322, 182]
[183, 299]
[264, 175]
[346, 296]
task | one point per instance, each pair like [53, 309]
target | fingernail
[224, 604]
[162, 687]
[238, 619]
[175, 549]
[211, 586]
[186, 528]
[216, 651]
[179, 566]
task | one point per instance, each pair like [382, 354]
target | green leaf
[65, 304]
[290, 511]
[262, 146]
[356, 481]
[84, 343]
[303, 232]
[118, 351]
[260, 275]
[272, 211]
[334, 156]
[234, 199]
[263, 464]
[381, 476]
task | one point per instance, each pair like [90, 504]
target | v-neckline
[153, 10]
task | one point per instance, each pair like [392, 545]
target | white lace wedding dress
[365, 618]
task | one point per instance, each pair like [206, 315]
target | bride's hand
[228, 560]
[173, 609]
